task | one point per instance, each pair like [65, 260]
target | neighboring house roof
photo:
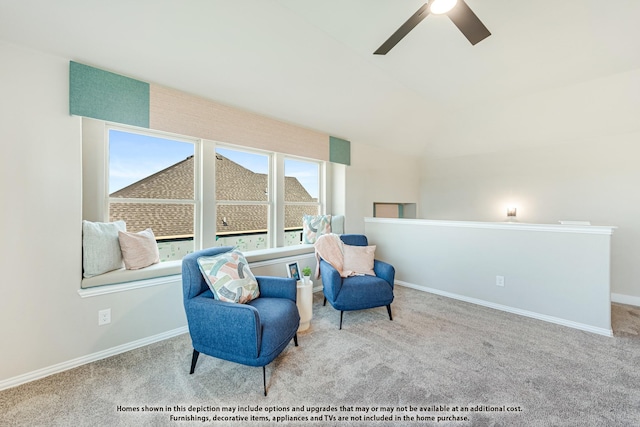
[233, 183]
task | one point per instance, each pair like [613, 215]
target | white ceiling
[310, 62]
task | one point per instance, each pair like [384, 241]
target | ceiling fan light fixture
[458, 11]
[438, 7]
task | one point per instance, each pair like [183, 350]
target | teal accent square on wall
[339, 150]
[107, 96]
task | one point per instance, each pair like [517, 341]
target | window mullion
[208, 181]
[303, 203]
[197, 194]
[152, 201]
[278, 210]
[242, 202]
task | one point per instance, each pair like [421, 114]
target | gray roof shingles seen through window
[233, 183]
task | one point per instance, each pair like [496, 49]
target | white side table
[305, 303]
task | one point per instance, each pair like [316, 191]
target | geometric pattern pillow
[314, 226]
[229, 277]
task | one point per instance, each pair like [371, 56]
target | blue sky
[306, 172]
[134, 156]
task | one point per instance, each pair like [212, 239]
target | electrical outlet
[104, 317]
[499, 280]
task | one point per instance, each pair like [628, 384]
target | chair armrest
[331, 280]
[226, 327]
[384, 271]
[277, 287]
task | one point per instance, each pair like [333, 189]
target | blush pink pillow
[359, 259]
[139, 250]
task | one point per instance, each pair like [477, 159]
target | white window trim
[322, 185]
[272, 231]
[195, 202]
[96, 172]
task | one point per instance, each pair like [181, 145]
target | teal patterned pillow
[229, 277]
[314, 226]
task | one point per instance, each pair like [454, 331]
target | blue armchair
[251, 334]
[358, 292]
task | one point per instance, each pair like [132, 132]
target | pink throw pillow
[139, 250]
[359, 259]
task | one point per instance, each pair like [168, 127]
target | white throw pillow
[139, 250]
[337, 224]
[100, 247]
[359, 259]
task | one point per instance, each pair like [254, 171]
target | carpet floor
[439, 362]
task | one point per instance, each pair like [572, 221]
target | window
[196, 193]
[301, 196]
[152, 185]
[242, 199]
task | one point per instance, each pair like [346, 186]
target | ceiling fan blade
[467, 22]
[403, 30]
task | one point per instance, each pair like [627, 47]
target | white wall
[47, 326]
[550, 272]
[575, 157]
[44, 320]
[377, 175]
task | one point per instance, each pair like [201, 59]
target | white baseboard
[74, 363]
[625, 299]
[64, 366]
[526, 313]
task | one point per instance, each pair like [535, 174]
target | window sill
[168, 272]
[112, 288]
[261, 255]
[169, 268]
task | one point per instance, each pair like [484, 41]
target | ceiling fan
[457, 10]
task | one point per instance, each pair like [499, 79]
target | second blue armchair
[358, 292]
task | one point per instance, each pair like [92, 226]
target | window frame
[271, 240]
[320, 202]
[196, 202]
[204, 202]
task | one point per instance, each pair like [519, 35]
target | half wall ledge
[556, 273]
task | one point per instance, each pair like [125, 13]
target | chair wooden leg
[194, 359]
[341, 313]
[264, 379]
[295, 339]
[389, 311]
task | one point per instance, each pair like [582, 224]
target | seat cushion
[361, 292]
[280, 320]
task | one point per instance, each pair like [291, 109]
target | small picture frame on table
[293, 270]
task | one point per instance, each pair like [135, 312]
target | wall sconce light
[511, 213]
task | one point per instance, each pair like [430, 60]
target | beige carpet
[438, 358]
